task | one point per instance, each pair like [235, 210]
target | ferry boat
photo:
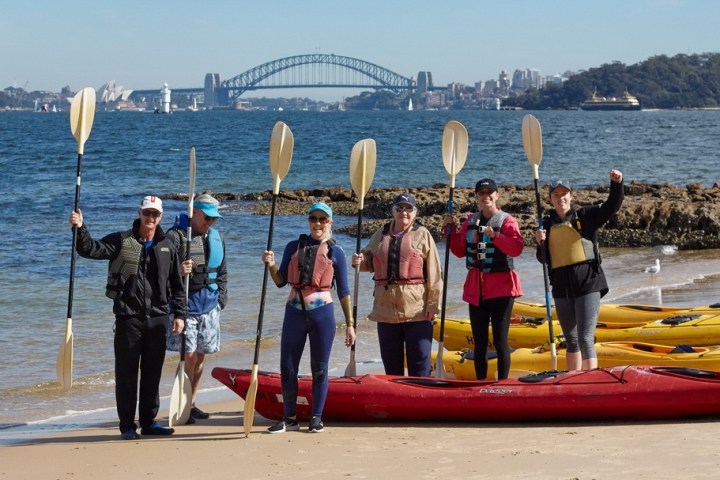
[626, 102]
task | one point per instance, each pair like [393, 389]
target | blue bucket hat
[323, 207]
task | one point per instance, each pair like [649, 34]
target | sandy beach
[217, 448]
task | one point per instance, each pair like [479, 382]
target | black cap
[486, 183]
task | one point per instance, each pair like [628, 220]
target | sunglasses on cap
[322, 220]
[560, 183]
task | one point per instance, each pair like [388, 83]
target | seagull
[669, 249]
[654, 269]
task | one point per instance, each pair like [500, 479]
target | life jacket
[480, 251]
[397, 261]
[567, 245]
[124, 265]
[204, 274]
[311, 266]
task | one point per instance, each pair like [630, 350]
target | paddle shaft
[358, 246]
[448, 234]
[264, 284]
[71, 288]
[546, 279]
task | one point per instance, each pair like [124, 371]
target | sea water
[131, 154]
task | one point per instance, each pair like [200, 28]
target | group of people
[147, 271]
[147, 268]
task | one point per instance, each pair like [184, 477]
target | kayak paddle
[181, 396]
[532, 143]
[454, 153]
[362, 171]
[281, 150]
[82, 113]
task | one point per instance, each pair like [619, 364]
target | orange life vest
[311, 266]
[397, 261]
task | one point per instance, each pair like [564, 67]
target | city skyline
[78, 43]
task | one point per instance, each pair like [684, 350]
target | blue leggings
[399, 339]
[319, 326]
[578, 317]
[496, 313]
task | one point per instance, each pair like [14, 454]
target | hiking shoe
[285, 425]
[199, 414]
[157, 429]
[130, 435]
[316, 425]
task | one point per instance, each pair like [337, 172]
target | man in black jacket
[143, 279]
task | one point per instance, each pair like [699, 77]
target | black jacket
[580, 279]
[158, 281]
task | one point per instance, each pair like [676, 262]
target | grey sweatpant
[578, 317]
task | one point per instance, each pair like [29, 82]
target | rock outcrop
[652, 214]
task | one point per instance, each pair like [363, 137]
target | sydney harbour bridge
[302, 71]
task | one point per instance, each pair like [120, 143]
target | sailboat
[410, 106]
[194, 107]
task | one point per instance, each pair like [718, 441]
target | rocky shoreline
[652, 214]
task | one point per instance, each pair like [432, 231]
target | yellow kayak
[459, 364]
[617, 313]
[694, 330]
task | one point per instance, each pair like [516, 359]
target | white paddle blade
[82, 113]
[454, 148]
[180, 398]
[532, 140]
[191, 183]
[351, 369]
[362, 167]
[282, 143]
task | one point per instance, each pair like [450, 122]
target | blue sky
[142, 44]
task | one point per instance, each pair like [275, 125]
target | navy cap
[405, 198]
[486, 183]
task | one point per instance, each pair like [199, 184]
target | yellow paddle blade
[362, 167]
[64, 365]
[249, 412]
[82, 113]
[454, 148]
[532, 141]
[282, 143]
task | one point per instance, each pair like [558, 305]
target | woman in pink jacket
[489, 239]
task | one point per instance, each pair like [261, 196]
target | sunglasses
[560, 183]
[322, 220]
[151, 213]
[209, 218]
[401, 209]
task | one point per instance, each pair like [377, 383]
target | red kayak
[631, 392]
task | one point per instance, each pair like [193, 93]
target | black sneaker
[157, 429]
[199, 414]
[130, 435]
[316, 425]
[285, 425]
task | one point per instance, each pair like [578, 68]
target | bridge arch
[364, 75]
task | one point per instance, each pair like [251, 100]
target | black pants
[495, 312]
[139, 344]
